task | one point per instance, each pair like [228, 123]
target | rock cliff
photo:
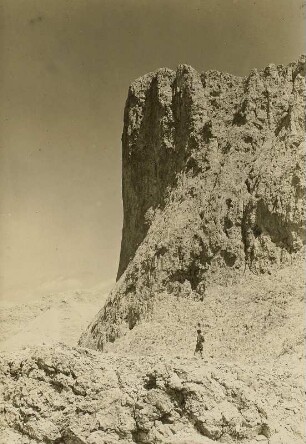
[213, 235]
[213, 186]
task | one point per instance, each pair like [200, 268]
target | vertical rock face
[164, 115]
[213, 185]
[147, 155]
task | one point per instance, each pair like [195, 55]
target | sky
[66, 66]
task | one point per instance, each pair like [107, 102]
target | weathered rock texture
[258, 320]
[213, 186]
[66, 396]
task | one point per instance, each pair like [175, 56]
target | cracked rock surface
[63, 395]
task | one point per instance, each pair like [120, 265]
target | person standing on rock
[101, 342]
[200, 342]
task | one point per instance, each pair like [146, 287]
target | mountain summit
[213, 187]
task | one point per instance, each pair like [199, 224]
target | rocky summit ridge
[213, 235]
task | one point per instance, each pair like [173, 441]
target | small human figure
[101, 342]
[200, 342]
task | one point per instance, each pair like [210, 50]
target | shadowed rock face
[213, 185]
[209, 127]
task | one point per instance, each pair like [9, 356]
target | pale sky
[65, 70]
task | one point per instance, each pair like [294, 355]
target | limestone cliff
[213, 186]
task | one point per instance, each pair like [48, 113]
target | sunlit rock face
[62, 395]
[213, 186]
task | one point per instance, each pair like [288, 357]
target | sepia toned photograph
[152, 221]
